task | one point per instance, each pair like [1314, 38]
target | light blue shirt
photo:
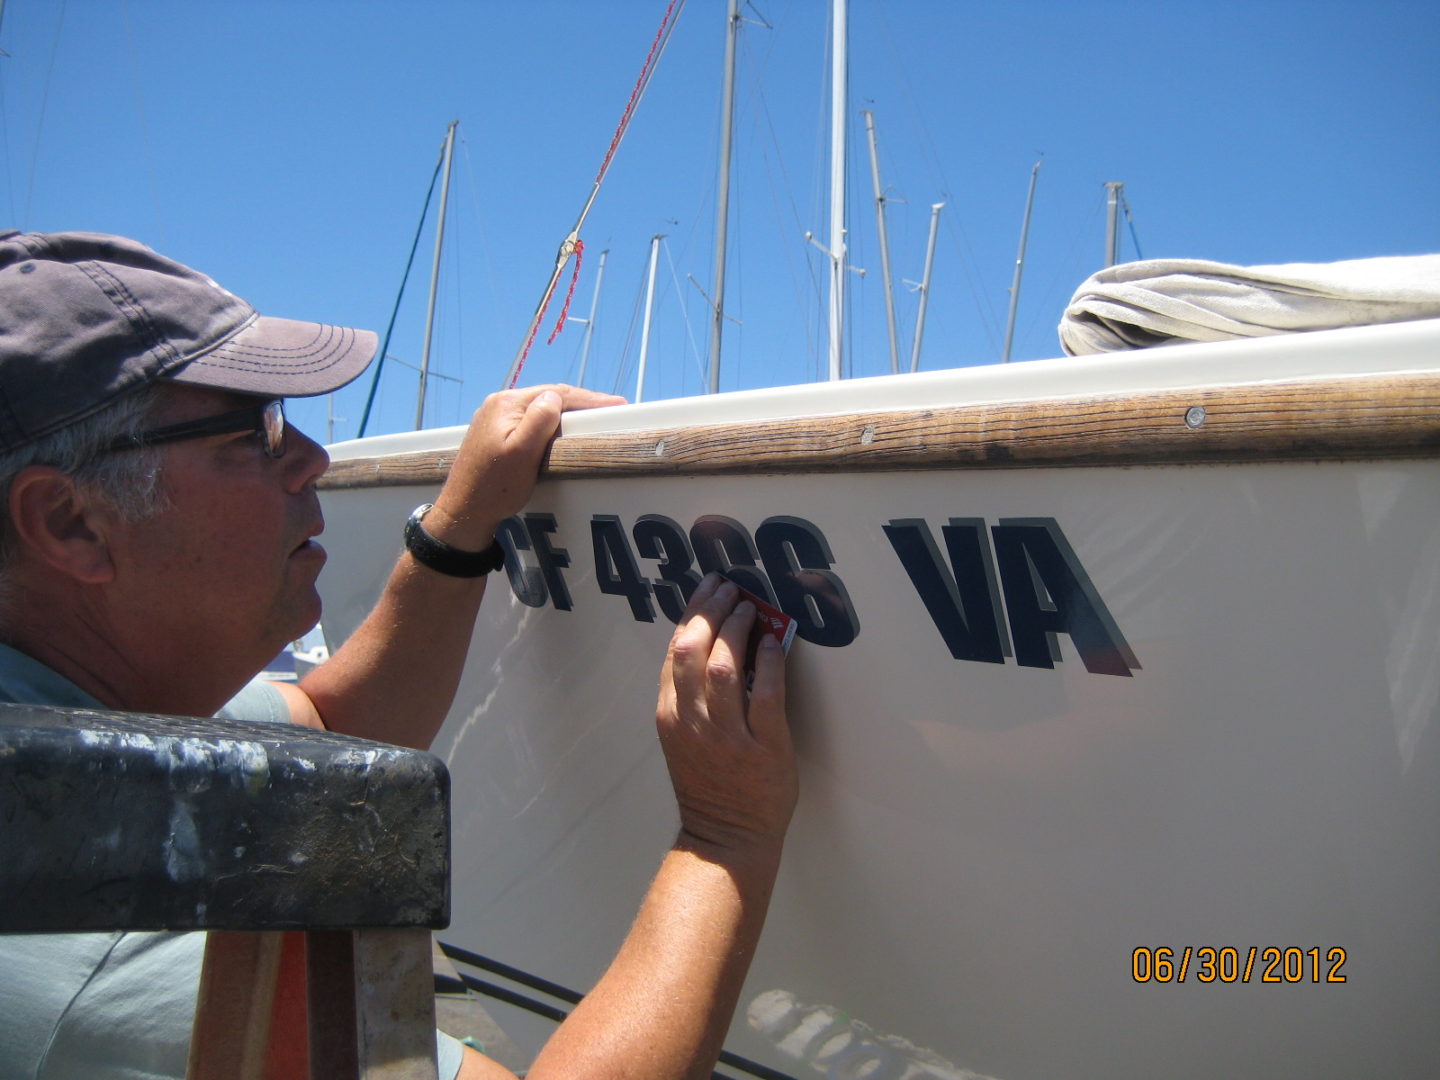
[113, 1006]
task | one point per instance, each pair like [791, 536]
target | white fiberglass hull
[1195, 838]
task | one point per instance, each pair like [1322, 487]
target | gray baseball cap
[85, 318]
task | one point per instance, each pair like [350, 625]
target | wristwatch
[441, 557]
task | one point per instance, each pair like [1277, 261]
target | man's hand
[728, 750]
[499, 460]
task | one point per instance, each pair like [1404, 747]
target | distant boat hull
[1117, 718]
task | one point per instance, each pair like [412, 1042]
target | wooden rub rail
[1357, 417]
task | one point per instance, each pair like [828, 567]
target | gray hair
[129, 481]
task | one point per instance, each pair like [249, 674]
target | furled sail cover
[1163, 301]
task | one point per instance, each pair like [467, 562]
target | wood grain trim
[1356, 417]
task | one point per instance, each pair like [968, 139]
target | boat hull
[1116, 770]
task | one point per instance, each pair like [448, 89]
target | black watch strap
[442, 558]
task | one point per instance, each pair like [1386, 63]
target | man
[158, 547]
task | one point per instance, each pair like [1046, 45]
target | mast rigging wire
[1130, 221]
[395, 311]
[40, 121]
[571, 244]
[684, 312]
[954, 225]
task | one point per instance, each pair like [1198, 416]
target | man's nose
[306, 458]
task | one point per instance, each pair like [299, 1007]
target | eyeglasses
[266, 420]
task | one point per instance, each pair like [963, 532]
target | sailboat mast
[884, 243]
[590, 322]
[925, 285]
[1112, 233]
[838, 88]
[435, 276]
[649, 306]
[1019, 266]
[722, 199]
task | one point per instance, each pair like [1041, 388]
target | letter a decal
[1048, 592]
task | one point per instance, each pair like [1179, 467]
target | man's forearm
[395, 677]
[664, 1006]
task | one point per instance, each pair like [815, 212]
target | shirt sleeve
[257, 700]
[449, 1053]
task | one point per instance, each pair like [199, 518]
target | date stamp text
[1229, 964]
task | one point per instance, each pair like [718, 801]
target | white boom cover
[1139, 304]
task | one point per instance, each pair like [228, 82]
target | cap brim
[282, 358]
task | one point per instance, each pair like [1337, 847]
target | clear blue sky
[285, 148]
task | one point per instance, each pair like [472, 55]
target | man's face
[227, 572]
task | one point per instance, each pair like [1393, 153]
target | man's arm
[662, 1008]
[395, 677]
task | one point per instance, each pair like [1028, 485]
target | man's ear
[62, 525]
